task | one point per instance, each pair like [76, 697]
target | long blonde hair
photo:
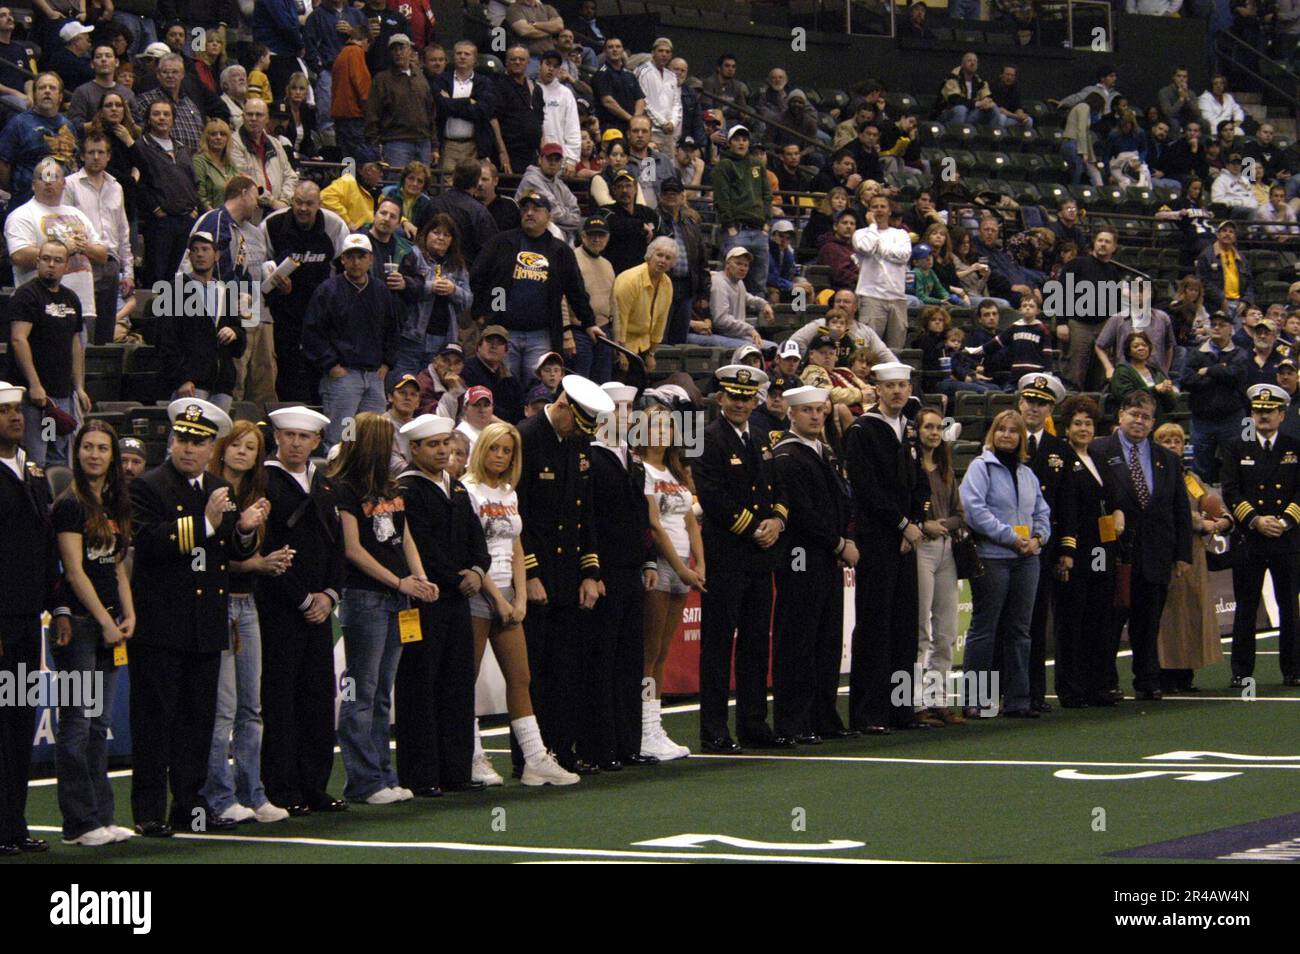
[476, 471]
[219, 125]
[1015, 418]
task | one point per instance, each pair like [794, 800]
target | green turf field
[986, 792]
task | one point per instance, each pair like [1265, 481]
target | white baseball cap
[357, 243]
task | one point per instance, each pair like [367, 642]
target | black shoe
[217, 823]
[32, 846]
[721, 744]
[613, 765]
[1104, 700]
[1021, 714]
[876, 730]
[431, 791]
[839, 733]
[812, 738]
[328, 806]
[297, 811]
[1150, 695]
[772, 741]
[1068, 703]
[1291, 682]
[760, 737]
[470, 786]
[9, 850]
[1040, 705]
[1116, 694]
[154, 829]
[916, 724]
[580, 767]
[1237, 682]
[638, 759]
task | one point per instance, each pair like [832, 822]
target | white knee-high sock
[651, 717]
[529, 736]
[478, 742]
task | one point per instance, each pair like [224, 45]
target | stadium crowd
[448, 281]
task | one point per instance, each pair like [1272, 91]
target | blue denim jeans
[964, 10]
[142, 30]
[413, 357]
[373, 650]
[968, 114]
[237, 730]
[349, 135]
[346, 397]
[41, 452]
[593, 361]
[1207, 437]
[1003, 601]
[1002, 121]
[398, 154]
[524, 350]
[81, 748]
[755, 242]
[324, 97]
[716, 341]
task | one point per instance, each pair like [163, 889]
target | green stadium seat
[1026, 193]
[970, 405]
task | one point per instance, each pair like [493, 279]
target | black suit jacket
[1162, 533]
[818, 498]
[1049, 464]
[738, 491]
[182, 594]
[189, 349]
[478, 109]
[1080, 503]
[447, 531]
[29, 569]
[309, 524]
[1258, 483]
[889, 487]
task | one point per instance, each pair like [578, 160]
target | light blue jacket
[993, 510]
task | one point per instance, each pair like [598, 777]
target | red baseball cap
[478, 393]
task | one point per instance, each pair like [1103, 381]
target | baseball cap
[452, 347]
[737, 251]
[397, 379]
[155, 51]
[548, 358]
[495, 331]
[822, 341]
[397, 38]
[789, 349]
[737, 130]
[201, 237]
[552, 55]
[132, 445]
[672, 184]
[535, 198]
[478, 393]
[688, 142]
[356, 243]
[539, 393]
[782, 225]
[70, 31]
[595, 224]
[609, 135]
[552, 149]
[920, 251]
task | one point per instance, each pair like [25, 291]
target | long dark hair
[943, 453]
[366, 461]
[112, 508]
[98, 123]
[454, 259]
[251, 485]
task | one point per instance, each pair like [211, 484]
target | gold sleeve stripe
[185, 534]
[1293, 512]
[530, 561]
[1242, 509]
[780, 510]
[1070, 542]
[742, 522]
[590, 559]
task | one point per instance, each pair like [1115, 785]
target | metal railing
[1236, 52]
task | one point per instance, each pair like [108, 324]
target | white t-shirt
[498, 511]
[672, 498]
[471, 432]
[32, 223]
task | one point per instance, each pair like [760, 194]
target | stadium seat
[930, 132]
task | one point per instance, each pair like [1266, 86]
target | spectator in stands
[1089, 271]
[93, 190]
[1187, 157]
[1027, 342]
[517, 124]
[724, 85]
[649, 166]
[349, 89]
[1159, 149]
[349, 335]
[71, 55]
[592, 361]
[965, 95]
[409, 190]
[1264, 355]
[663, 97]
[1107, 76]
[821, 222]
[729, 298]
[400, 110]
[643, 299]
[618, 93]
[536, 270]
[325, 34]
[1137, 373]
[1234, 189]
[1276, 211]
[631, 226]
[692, 124]
[921, 214]
[168, 195]
[791, 176]
[742, 198]
[263, 159]
[187, 117]
[1215, 377]
[1127, 136]
[573, 57]
[614, 161]
[687, 166]
[1008, 109]
[836, 252]
[17, 59]
[1225, 272]
[384, 23]
[389, 245]
[782, 278]
[1135, 316]
[436, 293]
[234, 93]
[1217, 105]
[32, 135]
[1076, 145]
[1178, 104]
[440, 383]
[867, 160]
[544, 179]
[474, 222]
[87, 97]
[275, 24]
[847, 131]
[1066, 228]
[487, 369]
[1288, 381]
[689, 272]
[1007, 277]
[198, 348]
[801, 118]
[560, 112]
[353, 196]
[466, 104]
[914, 28]
[45, 351]
[503, 209]
[535, 23]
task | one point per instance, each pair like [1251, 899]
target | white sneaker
[267, 812]
[93, 838]
[681, 750]
[546, 771]
[385, 796]
[120, 833]
[653, 744]
[403, 794]
[239, 813]
[483, 771]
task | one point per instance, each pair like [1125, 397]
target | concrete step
[1256, 111]
[1248, 98]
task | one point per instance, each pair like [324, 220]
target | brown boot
[949, 716]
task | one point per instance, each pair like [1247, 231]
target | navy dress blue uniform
[182, 629]
[435, 678]
[559, 542]
[1155, 536]
[1083, 602]
[1262, 478]
[298, 684]
[808, 637]
[616, 667]
[1048, 458]
[890, 490]
[29, 573]
[737, 493]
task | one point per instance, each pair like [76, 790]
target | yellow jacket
[345, 197]
[642, 309]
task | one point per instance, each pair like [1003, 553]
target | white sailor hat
[806, 395]
[619, 393]
[11, 393]
[890, 371]
[1267, 397]
[198, 418]
[587, 400]
[1045, 387]
[298, 419]
[427, 425]
[740, 380]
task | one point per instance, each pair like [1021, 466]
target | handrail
[1225, 38]
[747, 111]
